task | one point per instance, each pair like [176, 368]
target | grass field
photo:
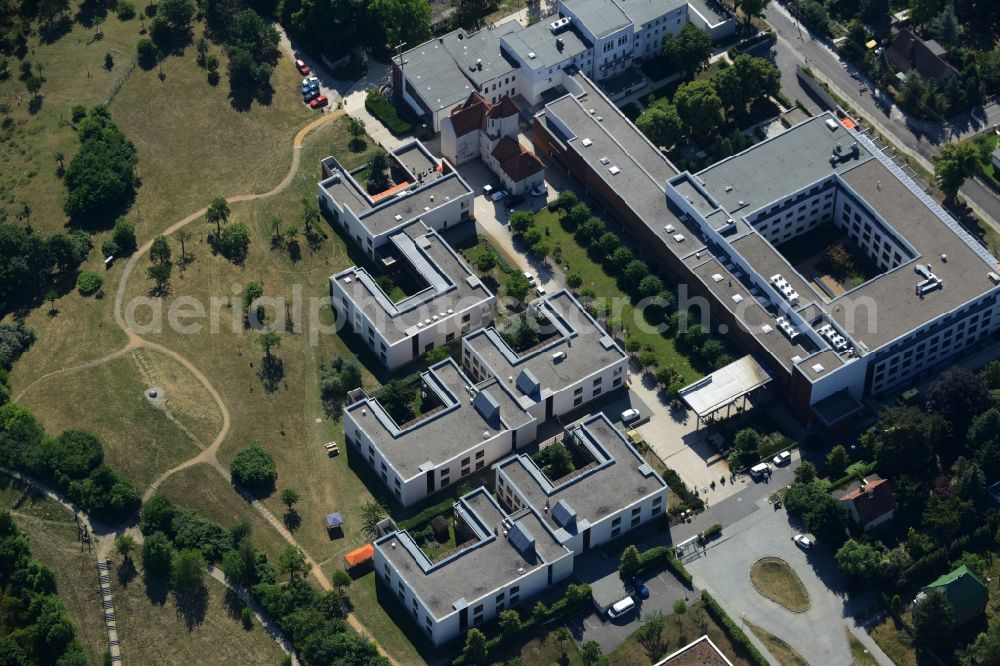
[860, 654]
[53, 536]
[779, 649]
[154, 630]
[776, 580]
[575, 258]
[895, 642]
[678, 631]
[139, 439]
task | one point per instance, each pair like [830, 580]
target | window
[465, 461]
[617, 382]
[616, 532]
[655, 511]
[480, 454]
[465, 318]
[636, 520]
[578, 401]
[478, 609]
[658, 500]
[636, 511]
[617, 521]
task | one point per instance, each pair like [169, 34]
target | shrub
[234, 242]
[89, 283]
[147, 53]
[254, 467]
[125, 10]
[735, 634]
[383, 110]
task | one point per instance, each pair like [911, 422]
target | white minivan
[760, 471]
[620, 608]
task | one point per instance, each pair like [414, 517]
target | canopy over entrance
[724, 387]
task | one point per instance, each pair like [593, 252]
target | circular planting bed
[776, 580]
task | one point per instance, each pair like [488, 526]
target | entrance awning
[725, 386]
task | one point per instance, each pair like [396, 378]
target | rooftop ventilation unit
[717, 277]
[531, 55]
[796, 359]
[729, 188]
[786, 328]
[766, 328]
[831, 123]
[786, 290]
[587, 143]
[669, 228]
[559, 24]
[420, 324]
[994, 278]
[558, 356]
[679, 238]
[737, 298]
[836, 340]
[615, 170]
[348, 280]
[818, 368]
[398, 217]
[605, 160]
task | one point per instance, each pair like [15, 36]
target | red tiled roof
[504, 108]
[871, 501]
[516, 162]
[470, 116]
[910, 52]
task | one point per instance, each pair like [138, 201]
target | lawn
[384, 626]
[860, 654]
[54, 541]
[895, 642]
[987, 143]
[779, 649]
[575, 258]
[776, 580]
[543, 649]
[152, 629]
[678, 631]
[140, 439]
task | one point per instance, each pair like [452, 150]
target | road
[921, 138]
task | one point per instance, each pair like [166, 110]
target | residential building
[573, 361]
[502, 561]
[489, 131]
[730, 232]
[425, 188]
[869, 501]
[512, 551]
[463, 426]
[544, 51]
[909, 53]
[612, 491]
[442, 299]
[967, 594]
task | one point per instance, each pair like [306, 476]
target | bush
[383, 110]
[147, 53]
[15, 338]
[679, 488]
[125, 10]
[735, 634]
[254, 468]
[711, 532]
[89, 283]
[234, 242]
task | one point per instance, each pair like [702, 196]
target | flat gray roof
[706, 10]
[452, 286]
[618, 478]
[446, 69]
[489, 563]
[587, 347]
[602, 17]
[443, 434]
[779, 166]
[641, 12]
[538, 39]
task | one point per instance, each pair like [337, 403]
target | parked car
[309, 95]
[513, 200]
[319, 102]
[498, 195]
[622, 607]
[530, 278]
[761, 471]
[630, 415]
[640, 587]
[803, 542]
[302, 67]
[782, 458]
[538, 191]
[540, 290]
[310, 87]
[310, 79]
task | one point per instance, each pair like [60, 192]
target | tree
[378, 172]
[985, 650]
[372, 513]
[564, 201]
[510, 623]
[187, 571]
[968, 481]
[984, 442]
[517, 287]
[292, 561]
[629, 562]
[689, 50]
[699, 106]
[945, 519]
[356, 128]
[34, 84]
[254, 467]
[651, 634]
[218, 214]
[521, 221]
[486, 262]
[905, 441]
[160, 274]
[289, 498]
[747, 441]
[157, 555]
[475, 647]
[235, 242]
[805, 472]
[123, 235]
[608, 243]
[100, 179]
[650, 286]
[922, 11]
[147, 53]
[183, 235]
[955, 163]
[752, 8]
[620, 258]
[822, 515]
[959, 396]
[396, 397]
[859, 562]
[591, 654]
[747, 79]
[159, 251]
[945, 25]
[634, 272]
[268, 342]
[661, 124]
[125, 545]
[837, 461]
[89, 283]
[933, 620]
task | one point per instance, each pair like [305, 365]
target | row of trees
[178, 543]
[325, 25]
[100, 179]
[31, 264]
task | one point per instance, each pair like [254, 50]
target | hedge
[664, 554]
[711, 533]
[575, 597]
[735, 634]
[383, 110]
[427, 514]
[679, 488]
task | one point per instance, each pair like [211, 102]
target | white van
[621, 608]
[760, 471]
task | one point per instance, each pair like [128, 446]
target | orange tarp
[848, 123]
[363, 554]
[392, 190]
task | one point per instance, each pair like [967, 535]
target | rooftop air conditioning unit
[558, 356]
